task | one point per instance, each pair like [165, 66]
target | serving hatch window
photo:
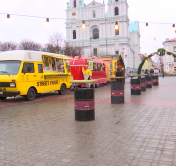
[90, 63]
[60, 65]
[99, 66]
[49, 63]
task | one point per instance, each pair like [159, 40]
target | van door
[41, 85]
[29, 76]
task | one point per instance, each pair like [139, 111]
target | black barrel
[84, 104]
[155, 80]
[136, 86]
[149, 82]
[143, 84]
[117, 92]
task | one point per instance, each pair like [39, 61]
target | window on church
[95, 33]
[117, 52]
[74, 34]
[116, 0]
[74, 3]
[116, 11]
[116, 31]
[94, 14]
[174, 49]
[95, 51]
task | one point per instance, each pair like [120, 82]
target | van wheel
[30, 95]
[96, 85]
[3, 98]
[62, 89]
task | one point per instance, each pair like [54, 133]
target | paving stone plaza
[140, 132]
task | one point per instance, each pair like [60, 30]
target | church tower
[105, 33]
[76, 3]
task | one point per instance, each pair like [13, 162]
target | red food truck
[88, 68]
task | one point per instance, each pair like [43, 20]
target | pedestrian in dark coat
[151, 71]
[146, 72]
[163, 73]
[118, 74]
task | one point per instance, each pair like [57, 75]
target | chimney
[167, 39]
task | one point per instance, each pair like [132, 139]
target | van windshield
[9, 67]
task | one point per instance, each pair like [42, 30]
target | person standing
[163, 73]
[146, 72]
[118, 74]
[151, 71]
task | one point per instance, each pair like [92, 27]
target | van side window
[28, 68]
[40, 68]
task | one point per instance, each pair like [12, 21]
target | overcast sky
[18, 28]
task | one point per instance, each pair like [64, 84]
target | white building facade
[168, 60]
[99, 37]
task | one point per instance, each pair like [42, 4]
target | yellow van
[27, 73]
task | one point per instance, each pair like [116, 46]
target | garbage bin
[136, 86]
[155, 80]
[149, 82]
[84, 104]
[117, 92]
[143, 84]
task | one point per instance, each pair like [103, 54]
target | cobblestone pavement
[141, 132]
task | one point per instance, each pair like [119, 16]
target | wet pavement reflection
[140, 132]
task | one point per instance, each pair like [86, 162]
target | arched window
[74, 34]
[116, 11]
[74, 3]
[116, 0]
[94, 14]
[117, 31]
[95, 33]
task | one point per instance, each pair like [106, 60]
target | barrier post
[84, 102]
[117, 90]
[155, 80]
[136, 86]
[143, 84]
[148, 81]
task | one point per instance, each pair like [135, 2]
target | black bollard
[136, 86]
[155, 80]
[117, 92]
[143, 84]
[149, 82]
[84, 104]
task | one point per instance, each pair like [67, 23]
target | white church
[102, 32]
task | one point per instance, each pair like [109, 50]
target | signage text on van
[47, 83]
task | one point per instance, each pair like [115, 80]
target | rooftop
[171, 40]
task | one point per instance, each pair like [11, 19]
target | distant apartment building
[169, 61]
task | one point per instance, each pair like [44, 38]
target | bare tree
[30, 45]
[72, 50]
[55, 43]
[8, 46]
